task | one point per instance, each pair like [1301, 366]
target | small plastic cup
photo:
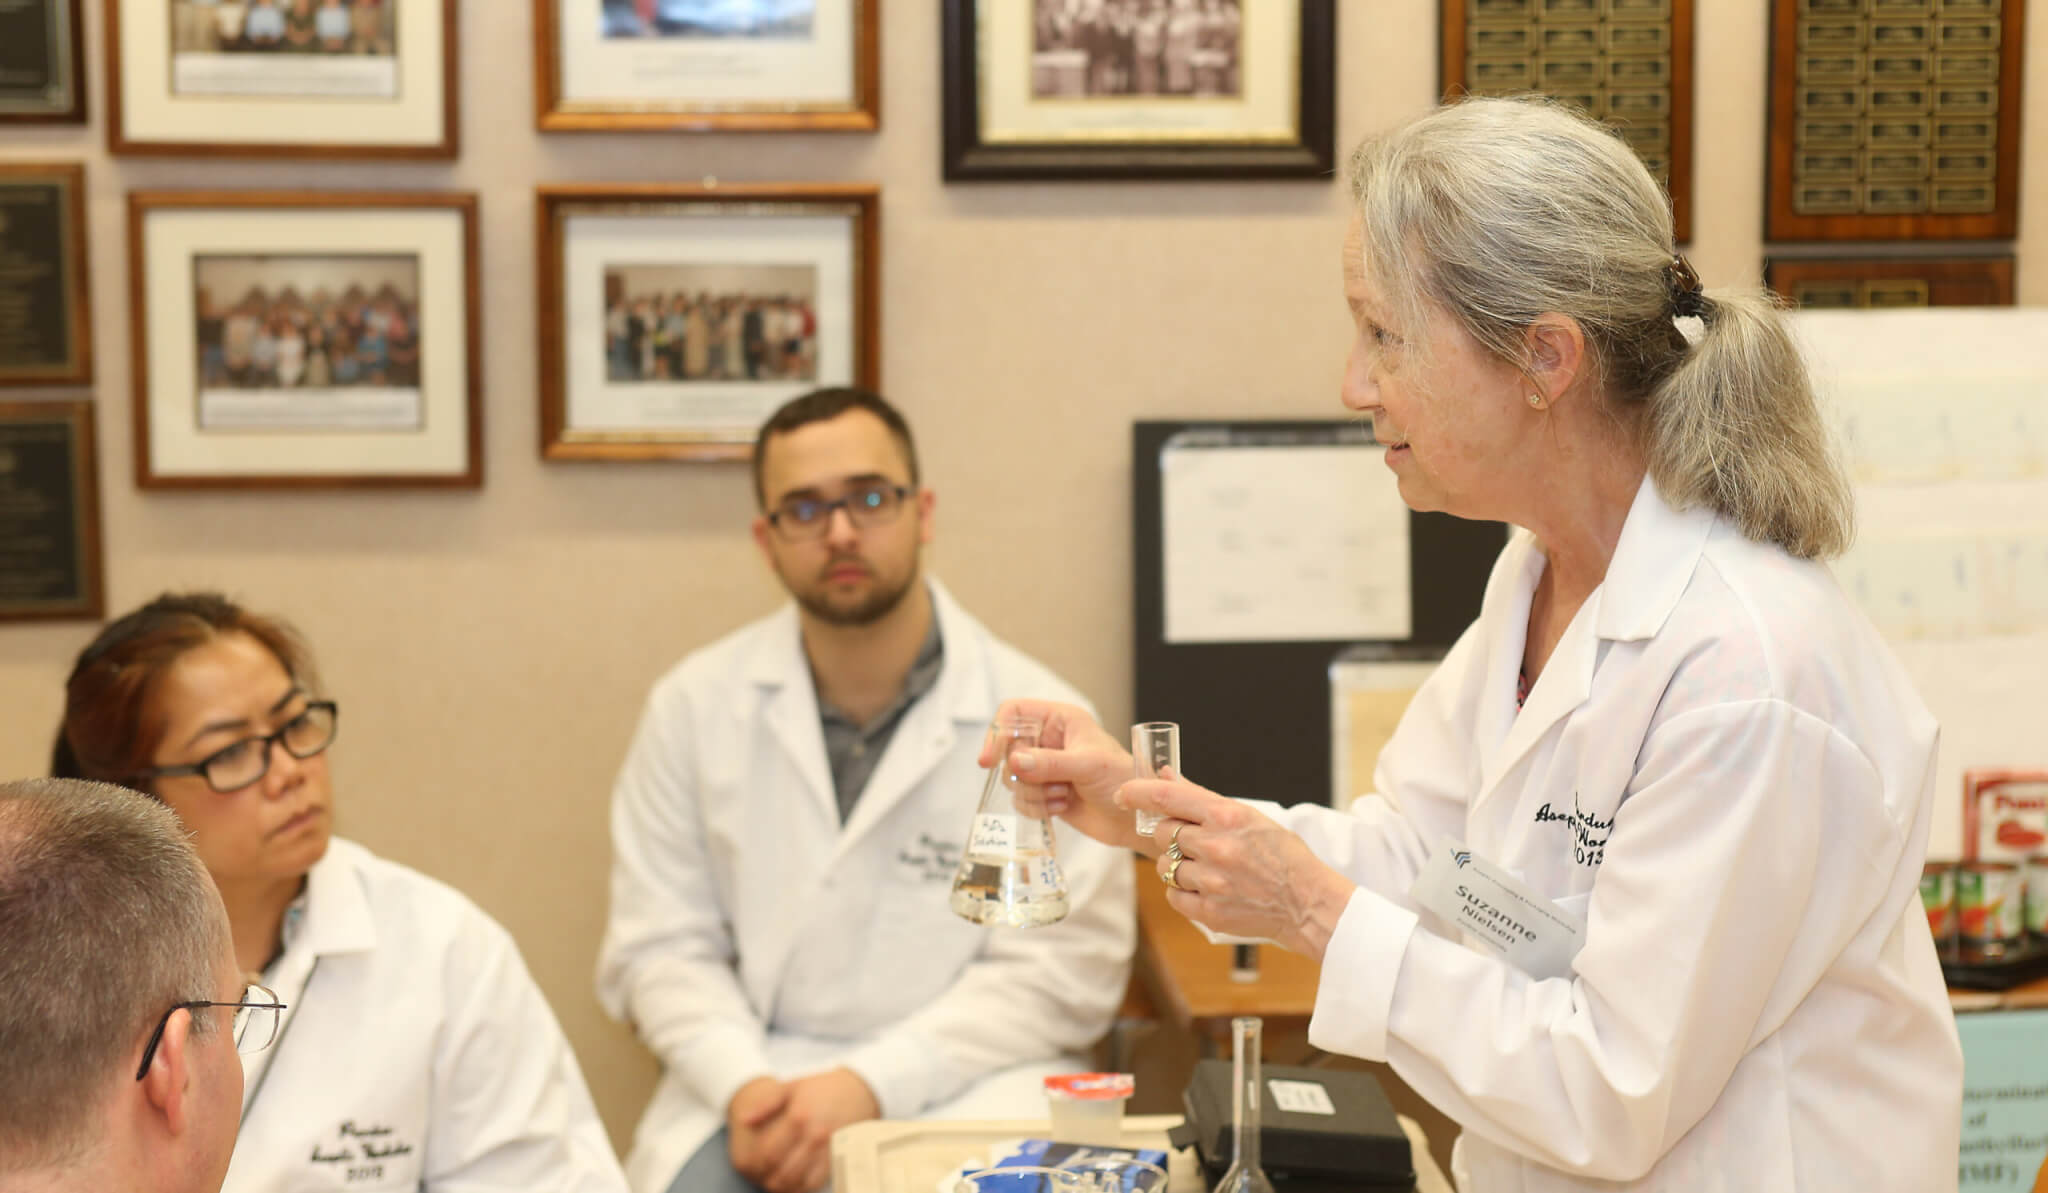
[1024, 1180]
[1088, 1107]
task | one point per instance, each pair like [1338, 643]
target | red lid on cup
[1090, 1087]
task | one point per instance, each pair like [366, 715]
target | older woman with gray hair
[1634, 900]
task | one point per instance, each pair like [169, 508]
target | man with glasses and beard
[785, 831]
[121, 1008]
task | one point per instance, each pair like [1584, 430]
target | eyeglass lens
[255, 1025]
[247, 761]
[868, 505]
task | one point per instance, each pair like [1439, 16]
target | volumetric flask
[1008, 874]
[1155, 746]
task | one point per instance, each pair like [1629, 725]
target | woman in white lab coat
[1667, 721]
[415, 1051]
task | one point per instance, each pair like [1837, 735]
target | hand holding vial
[1155, 754]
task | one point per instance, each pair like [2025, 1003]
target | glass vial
[1008, 874]
[1245, 1175]
[1155, 746]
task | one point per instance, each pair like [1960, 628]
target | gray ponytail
[1500, 210]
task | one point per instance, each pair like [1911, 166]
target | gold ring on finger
[1173, 853]
[1173, 842]
[1171, 871]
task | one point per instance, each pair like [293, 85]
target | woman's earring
[1536, 400]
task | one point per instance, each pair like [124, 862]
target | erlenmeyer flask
[1245, 1175]
[1008, 874]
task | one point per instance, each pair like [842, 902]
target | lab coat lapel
[337, 920]
[790, 710]
[958, 703]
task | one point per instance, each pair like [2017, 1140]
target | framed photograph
[45, 313]
[698, 65]
[1882, 282]
[304, 339]
[1894, 120]
[1139, 89]
[1628, 63]
[282, 78]
[50, 563]
[675, 319]
[42, 62]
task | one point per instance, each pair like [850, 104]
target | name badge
[1499, 911]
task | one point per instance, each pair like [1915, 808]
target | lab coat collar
[338, 918]
[1659, 549]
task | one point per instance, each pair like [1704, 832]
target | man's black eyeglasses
[255, 1023]
[234, 767]
[800, 518]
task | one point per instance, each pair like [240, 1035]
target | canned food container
[2037, 896]
[1990, 905]
[1938, 896]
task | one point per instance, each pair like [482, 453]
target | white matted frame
[589, 77]
[170, 233]
[283, 105]
[589, 235]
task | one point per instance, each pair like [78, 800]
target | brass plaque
[1971, 66]
[1831, 8]
[1897, 132]
[1830, 101]
[1639, 10]
[1901, 8]
[1901, 68]
[1570, 39]
[1568, 10]
[1638, 105]
[1900, 101]
[1827, 133]
[1959, 131]
[1592, 103]
[1966, 101]
[1897, 164]
[1895, 198]
[1963, 198]
[1966, 8]
[1638, 72]
[1500, 40]
[1567, 73]
[1957, 165]
[1827, 198]
[1638, 39]
[1831, 35]
[1830, 164]
[1500, 74]
[1510, 10]
[1894, 292]
[1902, 35]
[1831, 68]
[1825, 295]
[1967, 35]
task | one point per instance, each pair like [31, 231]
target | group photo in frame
[1088, 89]
[45, 307]
[305, 339]
[51, 564]
[42, 62]
[675, 319]
[705, 65]
[282, 78]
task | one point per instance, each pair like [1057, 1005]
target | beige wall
[491, 648]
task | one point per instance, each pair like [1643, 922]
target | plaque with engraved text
[41, 62]
[49, 512]
[44, 337]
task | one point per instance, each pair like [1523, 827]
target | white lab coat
[752, 934]
[1727, 772]
[415, 1052]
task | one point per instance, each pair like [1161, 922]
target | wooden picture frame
[1898, 125]
[42, 208]
[1227, 96]
[1891, 282]
[826, 71]
[55, 92]
[184, 81]
[52, 565]
[1627, 62]
[379, 288]
[674, 319]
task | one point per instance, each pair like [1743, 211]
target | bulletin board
[1262, 550]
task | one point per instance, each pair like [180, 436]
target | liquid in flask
[1008, 874]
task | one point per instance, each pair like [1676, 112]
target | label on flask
[993, 832]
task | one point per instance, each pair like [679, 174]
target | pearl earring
[1536, 400]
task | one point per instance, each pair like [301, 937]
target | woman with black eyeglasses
[416, 1052]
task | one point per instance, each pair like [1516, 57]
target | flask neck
[1244, 1114]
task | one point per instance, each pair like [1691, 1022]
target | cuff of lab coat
[896, 1075]
[719, 1064]
[1355, 997]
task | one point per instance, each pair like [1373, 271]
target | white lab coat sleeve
[1752, 846]
[1421, 784]
[510, 1108]
[1032, 994]
[667, 964]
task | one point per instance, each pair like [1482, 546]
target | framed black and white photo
[42, 62]
[673, 320]
[282, 78]
[1138, 88]
[321, 339]
[700, 65]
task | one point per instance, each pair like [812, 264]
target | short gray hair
[1499, 210]
[109, 919]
